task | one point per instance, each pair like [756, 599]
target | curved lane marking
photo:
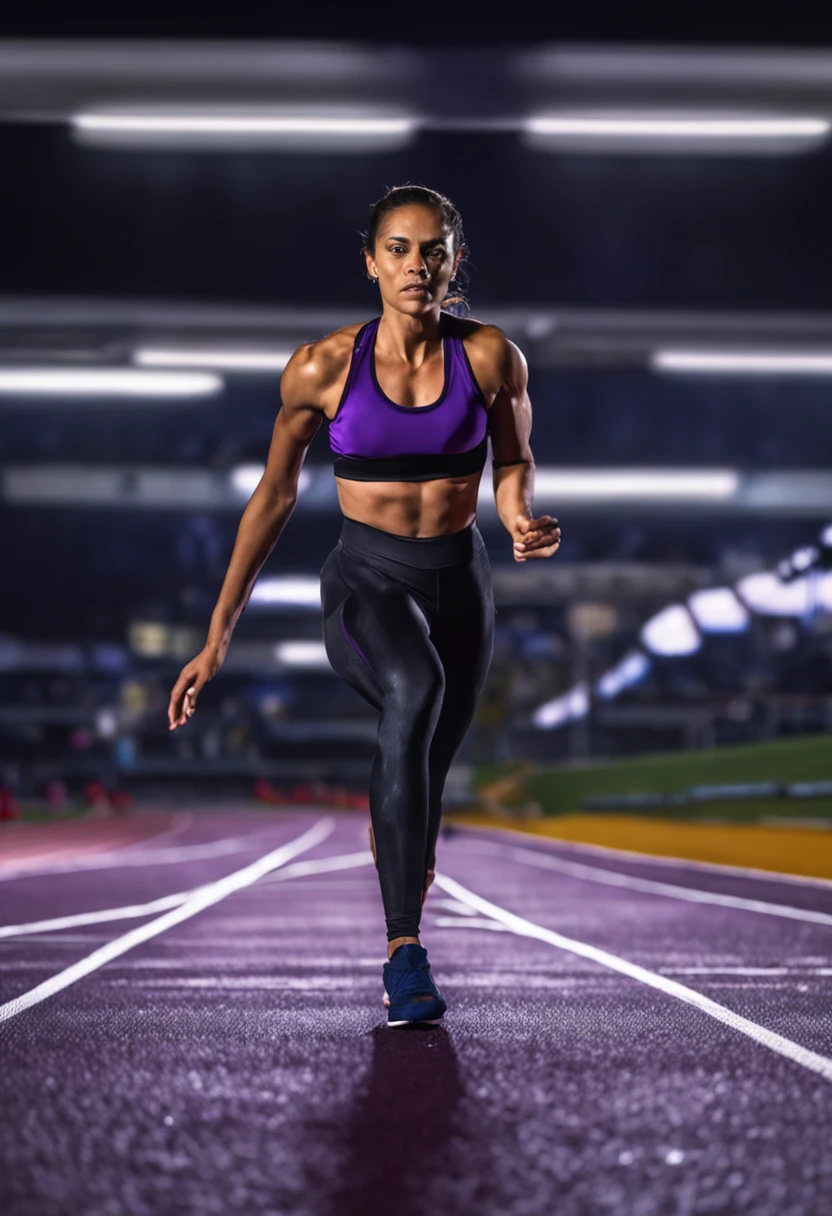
[576, 869]
[203, 898]
[526, 928]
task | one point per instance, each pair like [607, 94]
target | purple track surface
[239, 1062]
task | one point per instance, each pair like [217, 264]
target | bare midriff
[412, 508]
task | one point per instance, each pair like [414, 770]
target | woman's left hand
[535, 537]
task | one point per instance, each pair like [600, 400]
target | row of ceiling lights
[358, 130]
[202, 380]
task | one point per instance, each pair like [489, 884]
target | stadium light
[246, 478]
[671, 632]
[302, 654]
[632, 668]
[226, 360]
[291, 591]
[651, 131]
[209, 127]
[717, 610]
[571, 705]
[105, 382]
[740, 363]
[631, 484]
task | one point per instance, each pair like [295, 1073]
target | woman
[408, 609]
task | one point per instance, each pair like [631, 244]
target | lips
[415, 290]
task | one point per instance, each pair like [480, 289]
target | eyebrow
[404, 240]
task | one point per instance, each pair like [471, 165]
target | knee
[417, 694]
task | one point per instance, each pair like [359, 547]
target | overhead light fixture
[226, 360]
[302, 654]
[105, 382]
[566, 708]
[680, 132]
[287, 591]
[246, 478]
[210, 126]
[717, 610]
[671, 632]
[740, 363]
[605, 485]
[632, 668]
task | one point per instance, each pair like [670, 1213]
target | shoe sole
[417, 1022]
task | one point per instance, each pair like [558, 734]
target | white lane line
[685, 863]
[151, 857]
[614, 878]
[526, 928]
[208, 895]
[344, 861]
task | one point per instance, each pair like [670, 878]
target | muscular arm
[273, 501]
[510, 425]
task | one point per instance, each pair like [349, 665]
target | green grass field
[563, 790]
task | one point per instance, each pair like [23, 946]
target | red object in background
[9, 807]
[120, 800]
[264, 791]
[95, 794]
[301, 792]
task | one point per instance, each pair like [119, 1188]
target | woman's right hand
[192, 678]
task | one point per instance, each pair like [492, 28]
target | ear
[460, 254]
[370, 266]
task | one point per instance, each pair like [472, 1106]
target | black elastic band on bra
[412, 468]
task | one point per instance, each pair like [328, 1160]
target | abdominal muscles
[412, 508]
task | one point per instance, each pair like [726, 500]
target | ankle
[400, 941]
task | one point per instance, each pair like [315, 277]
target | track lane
[240, 1064]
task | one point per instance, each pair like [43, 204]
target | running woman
[407, 602]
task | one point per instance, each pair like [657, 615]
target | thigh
[376, 635]
[463, 634]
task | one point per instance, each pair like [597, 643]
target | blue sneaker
[409, 986]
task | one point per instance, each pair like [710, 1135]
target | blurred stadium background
[648, 224]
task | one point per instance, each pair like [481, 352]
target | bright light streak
[671, 632]
[826, 536]
[632, 668]
[604, 485]
[740, 363]
[302, 592]
[717, 610]
[244, 124]
[106, 382]
[764, 593]
[803, 558]
[695, 127]
[571, 705]
[212, 127]
[232, 360]
[302, 654]
[246, 478]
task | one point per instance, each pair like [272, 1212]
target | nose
[416, 265]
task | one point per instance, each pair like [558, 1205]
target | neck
[405, 337]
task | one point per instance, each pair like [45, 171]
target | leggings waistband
[424, 552]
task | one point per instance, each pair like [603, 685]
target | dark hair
[406, 196]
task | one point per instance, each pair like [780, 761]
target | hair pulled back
[410, 195]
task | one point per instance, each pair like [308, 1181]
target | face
[413, 259]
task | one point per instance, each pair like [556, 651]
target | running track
[623, 1036]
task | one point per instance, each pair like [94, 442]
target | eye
[397, 249]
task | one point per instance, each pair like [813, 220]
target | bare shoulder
[317, 367]
[494, 358]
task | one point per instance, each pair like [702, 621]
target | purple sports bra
[374, 439]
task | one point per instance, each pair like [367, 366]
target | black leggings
[408, 622]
